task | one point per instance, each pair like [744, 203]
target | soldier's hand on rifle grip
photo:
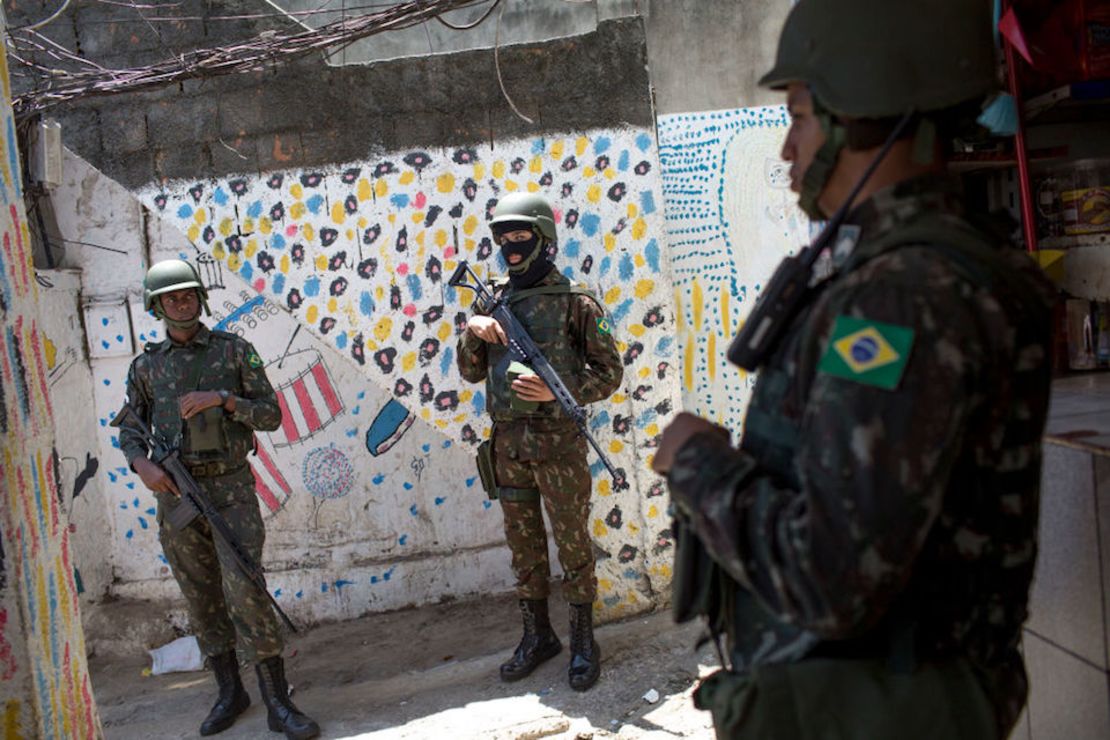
[154, 477]
[487, 329]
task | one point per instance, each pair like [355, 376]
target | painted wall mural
[730, 218]
[44, 683]
[376, 451]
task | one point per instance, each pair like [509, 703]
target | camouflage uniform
[543, 450]
[222, 602]
[883, 502]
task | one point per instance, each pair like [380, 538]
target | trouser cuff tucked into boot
[232, 700]
[282, 714]
[585, 655]
[538, 644]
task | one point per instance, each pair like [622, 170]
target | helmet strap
[824, 162]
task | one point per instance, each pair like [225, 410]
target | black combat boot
[538, 644]
[233, 699]
[585, 655]
[282, 715]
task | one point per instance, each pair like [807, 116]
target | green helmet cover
[168, 276]
[530, 208]
[882, 58]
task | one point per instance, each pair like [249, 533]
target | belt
[212, 469]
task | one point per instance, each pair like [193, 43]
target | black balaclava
[536, 263]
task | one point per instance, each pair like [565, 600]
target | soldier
[868, 548]
[537, 451]
[208, 390]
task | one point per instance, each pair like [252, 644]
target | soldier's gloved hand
[154, 477]
[681, 428]
[487, 329]
[193, 403]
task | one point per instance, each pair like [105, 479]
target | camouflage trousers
[225, 607]
[553, 464]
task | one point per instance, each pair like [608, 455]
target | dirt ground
[432, 673]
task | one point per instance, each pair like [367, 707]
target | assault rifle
[524, 349]
[788, 287]
[194, 503]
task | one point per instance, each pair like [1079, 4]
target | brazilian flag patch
[868, 352]
[254, 360]
[603, 325]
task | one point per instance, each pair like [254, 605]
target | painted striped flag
[269, 482]
[308, 404]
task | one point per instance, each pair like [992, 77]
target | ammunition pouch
[484, 459]
[205, 435]
[182, 515]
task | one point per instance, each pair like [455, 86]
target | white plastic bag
[183, 654]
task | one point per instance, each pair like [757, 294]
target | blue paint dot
[426, 447]
[255, 209]
[323, 588]
[446, 444]
[470, 482]
[104, 343]
[104, 322]
[107, 382]
[130, 534]
[366, 303]
[356, 409]
[486, 504]
[219, 196]
[412, 509]
[606, 263]
[312, 287]
[440, 499]
[112, 477]
[119, 337]
[278, 284]
[341, 340]
[299, 594]
[360, 395]
[602, 145]
[377, 479]
[151, 511]
[130, 486]
[622, 163]
[135, 502]
[315, 202]
[643, 141]
[103, 422]
[352, 432]
[647, 202]
[400, 200]
[373, 579]
[387, 575]
[277, 593]
[402, 539]
[277, 241]
[247, 271]
[537, 146]
[185, 211]
[407, 486]
[142, 523]
[626, 267]
[589, 223]
[570, 249]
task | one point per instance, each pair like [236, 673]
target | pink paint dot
[558, 215]
[291, 230]
[420, 201]
[260, 284]
[403, 268]
[410, 310]
[449, 252]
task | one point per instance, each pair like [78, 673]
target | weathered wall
[44, 683]
[730, 219]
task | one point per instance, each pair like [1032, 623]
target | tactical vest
[544, 313]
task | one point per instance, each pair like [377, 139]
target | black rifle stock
[525, 349]
[194, 503]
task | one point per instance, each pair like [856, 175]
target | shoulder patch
[253, 359]
[868, 352]
[603, 325]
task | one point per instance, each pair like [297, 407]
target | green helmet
[882, 58]
[166, 277]
[530, 208]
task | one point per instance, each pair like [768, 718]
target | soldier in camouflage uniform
[206, 390]
[868, 548]
[537, 451]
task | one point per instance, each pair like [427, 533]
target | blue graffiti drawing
[388, 427]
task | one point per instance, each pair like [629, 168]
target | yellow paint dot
[201, 216]
[466, 395]
[381, 188]
[479, 171]
[511, 186]
[651, 429]
[362, 222]
[445, 183]
[252, 248]
[407, 177]
[338, 214]
[639, 260]
[350, 234]
[557, 150]
[644, 288]
[284, 264]
[610, 241]
[265, 225]
[296, 190]
[498, 169]
[533, 187]
[652, 512]
[226, 226]
[364, 191]
[688, 367]
[613, 294]
[600, 530]
[419, 239]
[536, 166]
[619, 398]
[470, 224]
[379, 292]
[644, 372]
[321, 262]
[441, 423]
[639, 228]
[408, 362]
[636, 330]
[312, 313]
[218, 251]
[610, 173]
[333, 305]
[193, 233]
[633, 211]
[444, 331]
[441, 238]
[383, 328]
[371, 345]
[469, 245]
[418, 217]
[649, 460]
[699, 304]
[296, 211]
[616, 446]
[588, 172]
[248, 226]
[580, 145]
[425, 414]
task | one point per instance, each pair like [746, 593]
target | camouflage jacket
[889, 470]
[158, 377]
[573, 333]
